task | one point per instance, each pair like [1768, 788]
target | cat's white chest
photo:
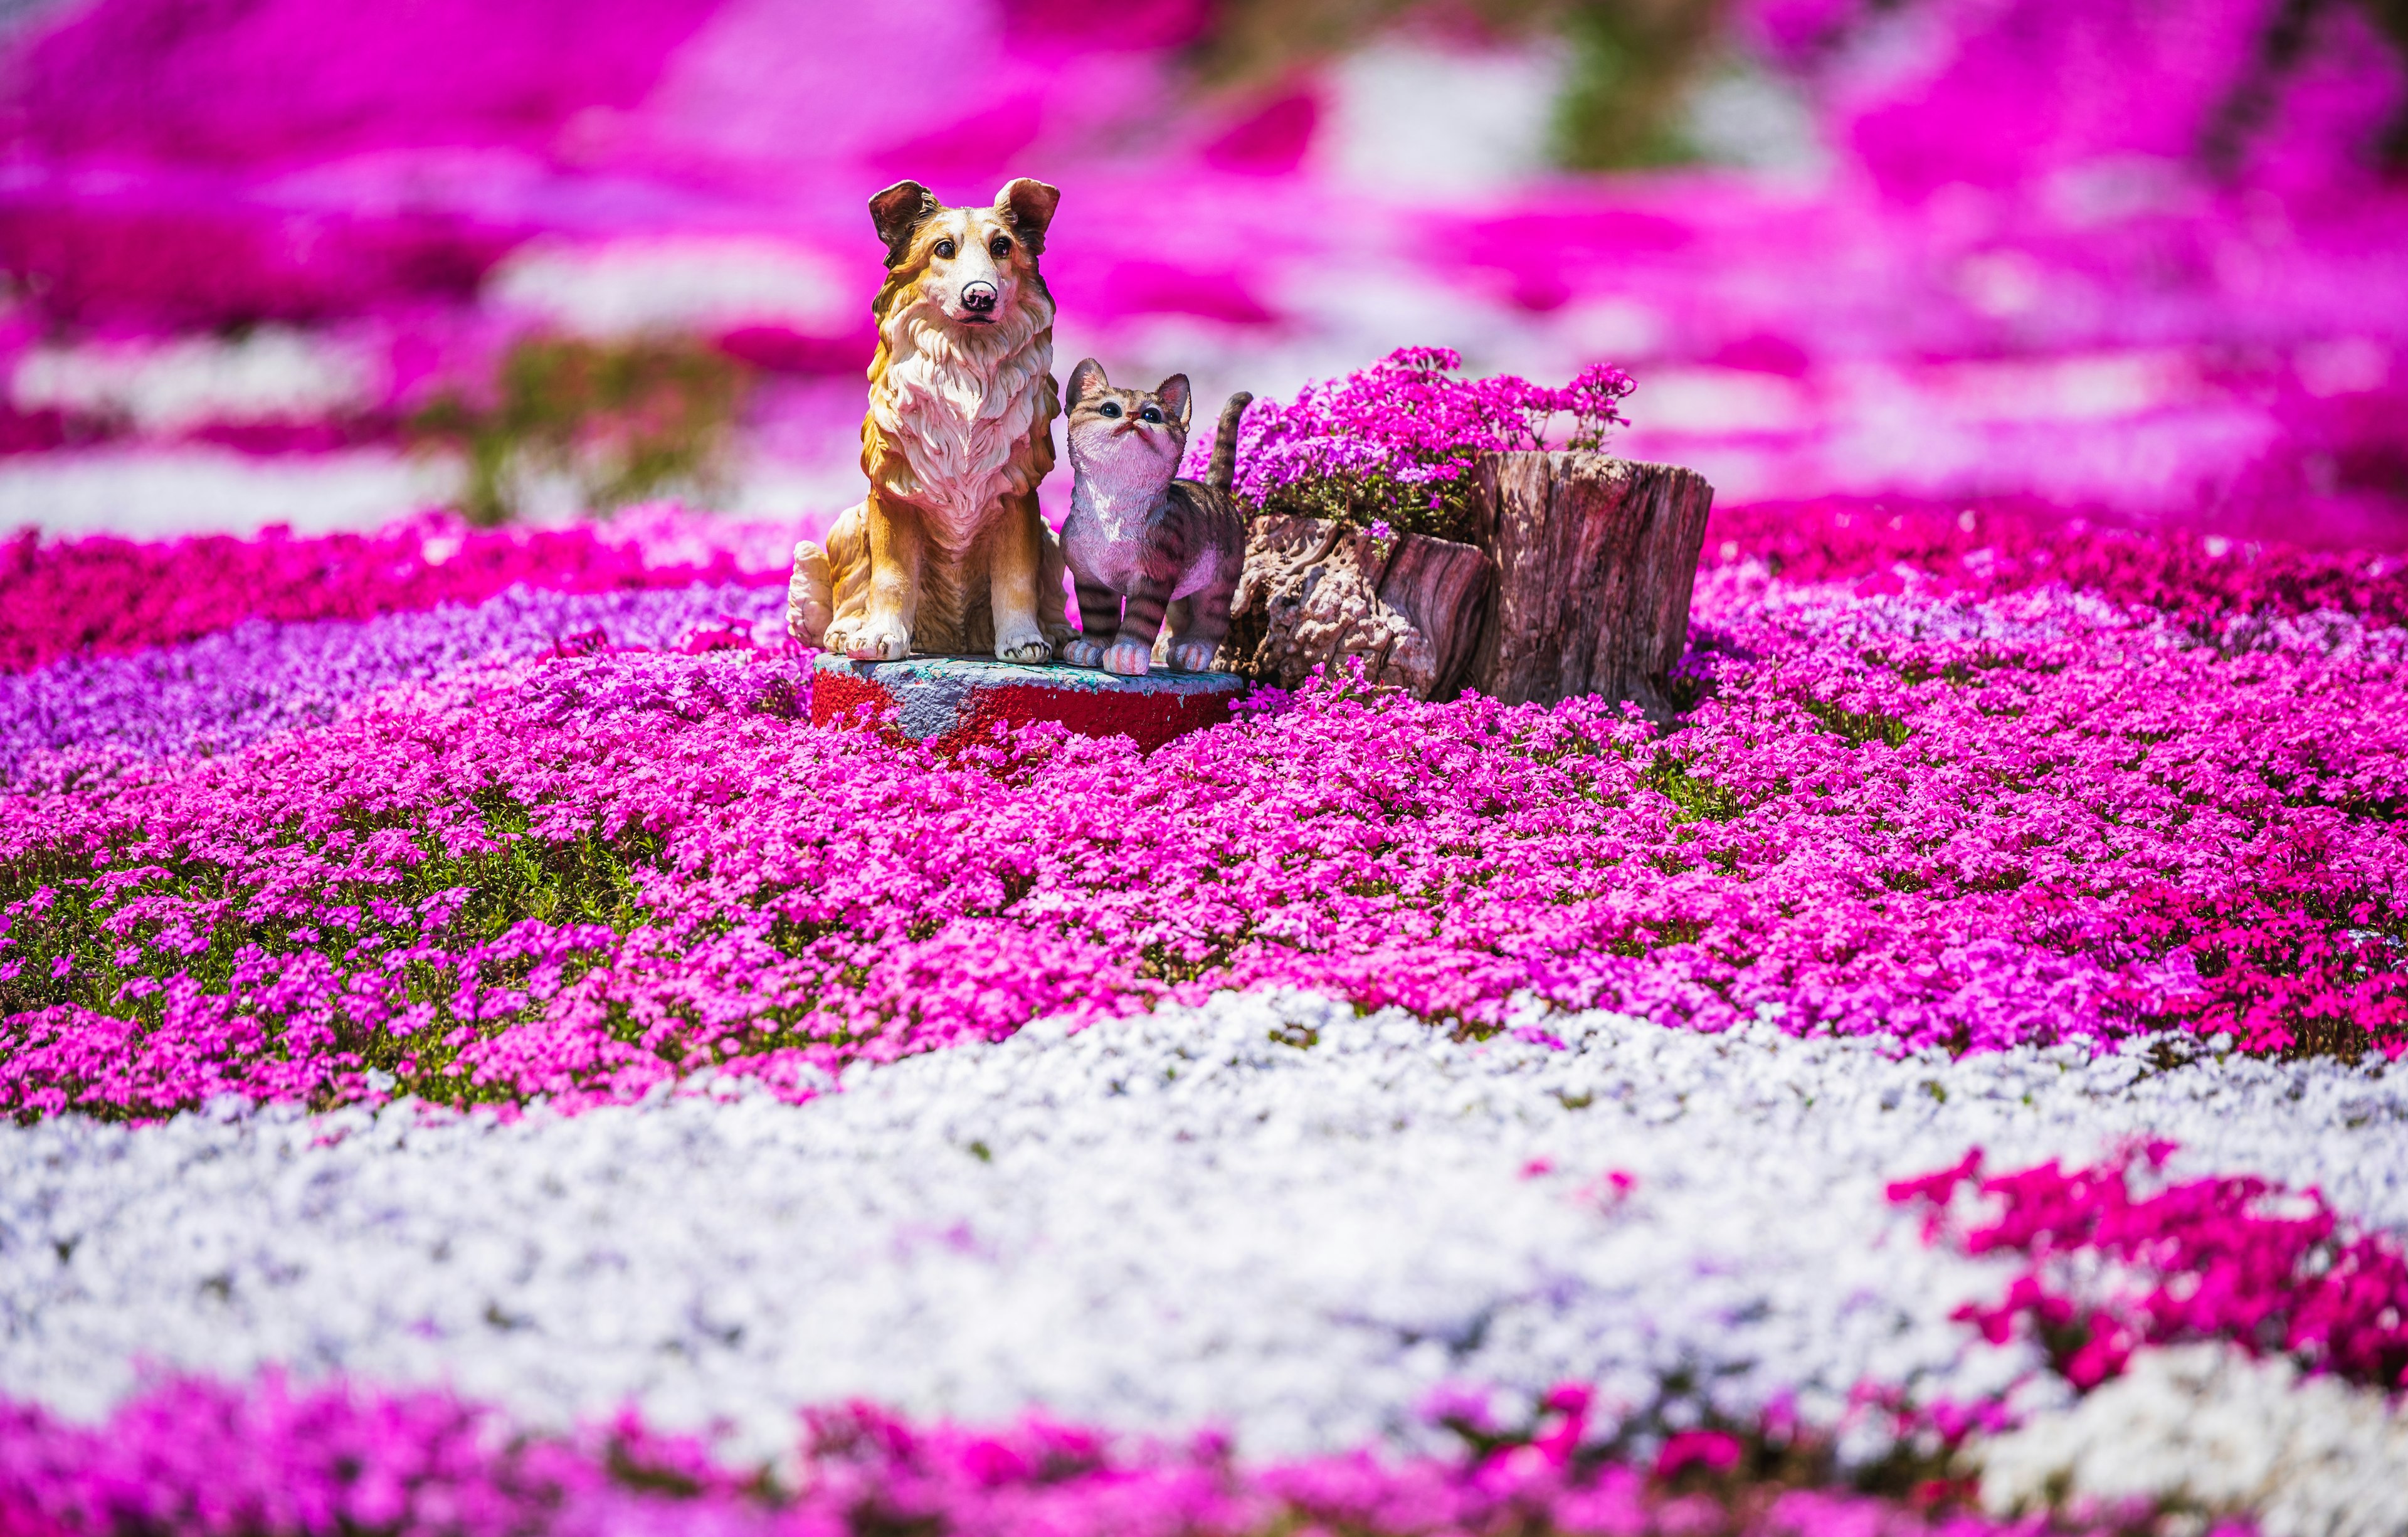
[1101, 549]
[1104, 537]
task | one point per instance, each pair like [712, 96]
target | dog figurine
[948, 553]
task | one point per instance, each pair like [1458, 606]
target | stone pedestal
[954, 700]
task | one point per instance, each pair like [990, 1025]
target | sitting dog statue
[948, 553]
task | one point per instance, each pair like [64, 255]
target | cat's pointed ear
[1177, 399]
[899, 211]
[1085, 380]
[1027, 206]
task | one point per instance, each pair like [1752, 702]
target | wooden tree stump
[1596, 558]
[1443, 588]
[1315, 591]
[1580, 584]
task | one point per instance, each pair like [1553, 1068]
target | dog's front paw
[1079, 652]
[1127, 658]
[1022, 648]
[877, 644]
[1193, 656]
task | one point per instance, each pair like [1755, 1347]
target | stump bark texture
[1579, 584]
[1596, 558]
[1315, 591]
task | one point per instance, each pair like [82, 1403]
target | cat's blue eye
[1110, 408]
[1152, 413]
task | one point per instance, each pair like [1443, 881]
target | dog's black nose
[978, 298]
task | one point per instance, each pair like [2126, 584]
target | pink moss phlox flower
[85, 720]
[2019, 812]
[1716, 1451]
[2233, 1258]
[1994, 547]
[189, 1456]
[1404, 423]
[103, 596]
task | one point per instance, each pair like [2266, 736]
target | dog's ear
[898, 211]
[1176, 398]
[1085, 380]
[1028, 207]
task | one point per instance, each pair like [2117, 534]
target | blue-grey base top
[951, 673]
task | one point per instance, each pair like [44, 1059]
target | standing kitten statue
[1136, 533]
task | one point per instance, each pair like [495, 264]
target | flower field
[477, 1061]
[506, 1017]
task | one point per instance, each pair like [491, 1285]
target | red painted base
[954, 700]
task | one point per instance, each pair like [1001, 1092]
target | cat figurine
[1138, 536]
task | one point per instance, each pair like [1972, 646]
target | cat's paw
[1083, 653]
[1193, 656]
[1127, 658]
[1029, 648]
[875, 643]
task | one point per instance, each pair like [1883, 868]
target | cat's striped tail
[1222, 472]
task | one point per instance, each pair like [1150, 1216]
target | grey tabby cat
[1165, 546]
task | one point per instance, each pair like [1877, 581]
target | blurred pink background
[2120, 256]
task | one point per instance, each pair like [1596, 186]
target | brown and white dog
[947, 553]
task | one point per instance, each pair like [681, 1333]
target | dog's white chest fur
[958, 409]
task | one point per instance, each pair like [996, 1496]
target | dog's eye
[1152, 413]
[1110, 408]
[946, 249]
[999, 247]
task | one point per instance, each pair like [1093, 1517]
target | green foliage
[1443, 510]
[1699, 799]
[1632, 61]
[1858, 729]
[122, 970]
[624, 420]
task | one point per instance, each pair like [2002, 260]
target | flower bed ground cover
[475, 1060]
[193, 1456]
[104, 596]
[1982, 831]
[1269, 1215]
[1931, 791]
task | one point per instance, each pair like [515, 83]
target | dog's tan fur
[947, 553]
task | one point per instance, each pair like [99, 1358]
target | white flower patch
[133, 492]
[1265, 1213]
[2206, 1430]
[676, 283]
[274, 374]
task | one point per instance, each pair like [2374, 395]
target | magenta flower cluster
[84, 721]
[1398, 441]
[276, 1459]
[1969, 799]
[2233, 1258]
[1997, 548]
[109, 597]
